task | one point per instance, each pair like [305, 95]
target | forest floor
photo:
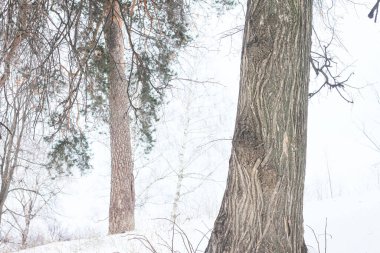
[347, 224]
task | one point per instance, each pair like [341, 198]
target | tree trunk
[13, 146]
[262, 207]
[122, 200]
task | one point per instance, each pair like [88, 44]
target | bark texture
[122, 201]
[262, 208]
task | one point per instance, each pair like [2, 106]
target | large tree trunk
[122, 201]
[262, 206]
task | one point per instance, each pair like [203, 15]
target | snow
[111, 244]
[352, 226]
[352, 223]
[155, 237]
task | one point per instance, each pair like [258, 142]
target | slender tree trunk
[13, 148]
[122, 201]
[7, 168]
[262, 207]
[11, 145]
[25, 231]
[181, 164]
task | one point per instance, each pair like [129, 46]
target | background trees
[27, 83]
[83, 59]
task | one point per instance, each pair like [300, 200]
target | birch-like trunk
[262, 207]
[122, 200]
[181, 162]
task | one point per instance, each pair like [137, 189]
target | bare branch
[374, 11]
[322, 63]
[3, 125]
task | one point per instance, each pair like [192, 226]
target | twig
[322, 62]
[315, 237]
[326, 236]
[3, 125]
[374, 11]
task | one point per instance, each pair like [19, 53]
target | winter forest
[132, 126]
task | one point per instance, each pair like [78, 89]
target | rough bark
[122, 200]
[262, 206]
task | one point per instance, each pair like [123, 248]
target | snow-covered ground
[347, 224]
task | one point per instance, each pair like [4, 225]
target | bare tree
[17, 114]
[24, 179]
[23, 74]
[31, 193]
[180, 172]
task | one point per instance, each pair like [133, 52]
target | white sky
[336, 140]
